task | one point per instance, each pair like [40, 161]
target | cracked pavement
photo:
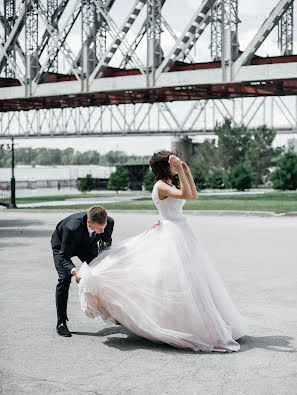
[256, 256]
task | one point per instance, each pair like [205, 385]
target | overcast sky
[252, 13]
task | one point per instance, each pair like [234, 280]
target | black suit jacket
[71, 238]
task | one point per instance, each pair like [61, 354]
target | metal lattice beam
[88, 37]
[31, 44]
[57, 14]
[9, 20]
[17, 45]
[216, 31]
[118, 40]
[153, 29]
[285, 32]
[59, 41]
[189, 37]
[14, 33]
[101, 28]
[266, 28]
[140, 35]
[100, 31]
[195, 118]
[52, 6]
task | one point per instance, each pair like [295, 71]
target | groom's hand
[75, 273]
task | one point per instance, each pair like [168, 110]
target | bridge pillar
[184, 146]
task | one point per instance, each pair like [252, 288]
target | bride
[160, 284]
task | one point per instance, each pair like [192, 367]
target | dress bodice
[169, 208]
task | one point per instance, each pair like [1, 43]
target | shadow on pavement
[15, 223]
[24, 233]
[271, 343]
[134, 342]
[113, 330]
[21, 228]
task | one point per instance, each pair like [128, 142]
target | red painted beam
[219, 91]
[178, 66]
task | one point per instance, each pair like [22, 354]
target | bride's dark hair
[160, 166]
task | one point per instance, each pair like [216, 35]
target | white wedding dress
[161, 286]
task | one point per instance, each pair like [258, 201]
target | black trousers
[62, 288]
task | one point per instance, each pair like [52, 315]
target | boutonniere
[103, 245]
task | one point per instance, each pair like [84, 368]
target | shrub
[119, 180]
[285, 175]
[215, 179]
[148, 180]
[199, 177]
[240, 177]
[86, 183]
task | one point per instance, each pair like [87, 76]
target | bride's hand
[175, 162]
[75, 273]
[185, 167]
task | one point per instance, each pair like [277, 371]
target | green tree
[41, 157]
[119, 180]
[240, 177]
[5, 156]
[199, 177]
[47, 157]
[55, 156]
[86, 183]
[25, 156]
[227, 180]
[205, 156]
[215, 179]
[148, 180]
[233, 143]
[260, 155]
[285, 175]
[116, 157]
[66, 156]
[93, 157]
[78, 158]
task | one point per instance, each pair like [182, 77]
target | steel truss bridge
[106, 87]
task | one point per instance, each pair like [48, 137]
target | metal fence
[4, 194]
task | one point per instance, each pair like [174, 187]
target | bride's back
[169, 208]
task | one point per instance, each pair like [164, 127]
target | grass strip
[278, 202]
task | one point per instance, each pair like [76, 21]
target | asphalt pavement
[257, 258]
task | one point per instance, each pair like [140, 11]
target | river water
[48, 173]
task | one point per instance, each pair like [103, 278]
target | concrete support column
[184, 146]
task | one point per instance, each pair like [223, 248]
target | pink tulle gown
[160, 285]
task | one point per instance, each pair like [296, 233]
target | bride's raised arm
[191, 181]
[187, 189]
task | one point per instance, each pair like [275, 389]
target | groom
[77, 235]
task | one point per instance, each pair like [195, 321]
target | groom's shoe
[62, 330]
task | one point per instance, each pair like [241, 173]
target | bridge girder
[166, 76]
[144, 119]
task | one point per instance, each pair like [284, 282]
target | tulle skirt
[161, 285]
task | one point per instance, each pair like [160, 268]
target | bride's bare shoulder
[161, 189]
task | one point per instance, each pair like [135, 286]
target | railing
[4, 195]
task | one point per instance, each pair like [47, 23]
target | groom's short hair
[97, 214]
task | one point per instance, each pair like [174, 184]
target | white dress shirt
[90, 230]
[90, 234]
